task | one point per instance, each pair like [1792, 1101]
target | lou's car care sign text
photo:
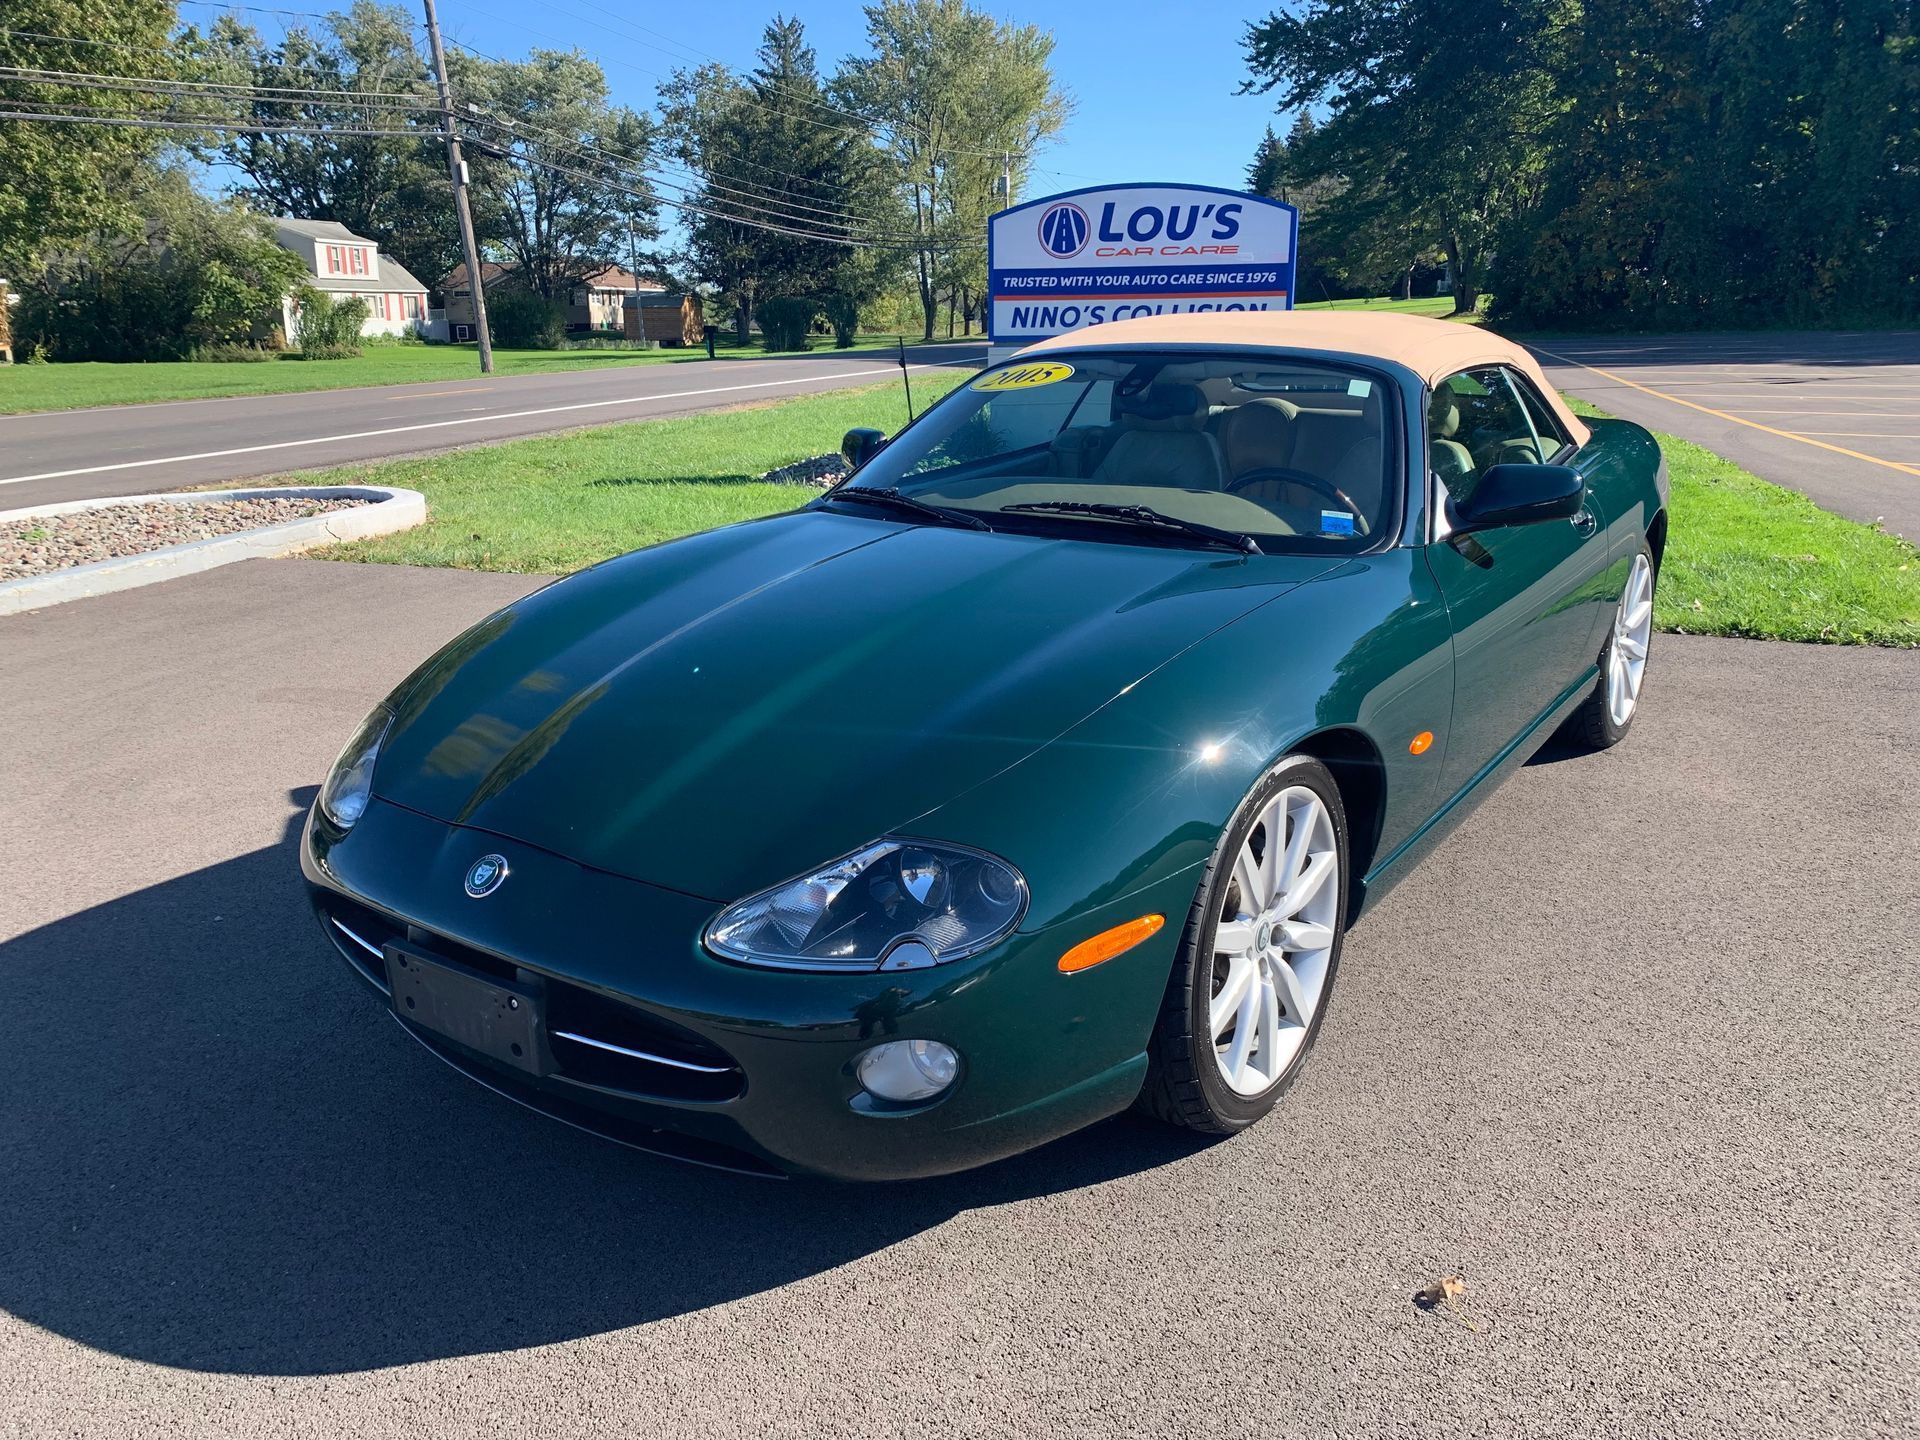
[1064, 262]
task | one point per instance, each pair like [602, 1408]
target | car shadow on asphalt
[221, 1155]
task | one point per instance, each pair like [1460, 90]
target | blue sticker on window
[1336, 522]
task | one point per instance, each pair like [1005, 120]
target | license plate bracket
[499, 1019]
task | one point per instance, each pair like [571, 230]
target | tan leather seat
[1163, 441]
[1257, 435]
[1450, 460]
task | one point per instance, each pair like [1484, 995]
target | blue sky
[1153, 83]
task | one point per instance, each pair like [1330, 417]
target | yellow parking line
[1737, 420]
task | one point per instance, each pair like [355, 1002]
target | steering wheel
[1281, 475]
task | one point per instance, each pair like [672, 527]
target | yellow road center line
[430, 394]
[1736, 419]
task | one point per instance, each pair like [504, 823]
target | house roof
[456, 278]
[1432, 349]
[615, 278]
[612, 277]
[658, 299]
[318, 229]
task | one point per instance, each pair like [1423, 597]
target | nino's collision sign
[1085, 257]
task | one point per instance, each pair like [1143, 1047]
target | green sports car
[1033, 773]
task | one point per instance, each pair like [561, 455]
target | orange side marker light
[1420, 743]
[1109, 943]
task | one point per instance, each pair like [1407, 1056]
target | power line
[654, 145]
[156, 85]
[129, 122]
[745, 190]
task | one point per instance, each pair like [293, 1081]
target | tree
[1748, 164]
[198, 273]
[959, 98]
[392, 190]
[564, 186]
[793, 193]
[1434, 105]
[62, 183]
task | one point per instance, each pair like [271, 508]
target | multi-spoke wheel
[1603, 719]
[1258, 958]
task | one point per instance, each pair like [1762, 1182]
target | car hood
[717, 714]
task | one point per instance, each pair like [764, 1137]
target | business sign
[1064, 262]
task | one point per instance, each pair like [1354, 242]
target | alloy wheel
[1632, 630]
[1273, 942]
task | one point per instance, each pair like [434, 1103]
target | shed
[665, 318]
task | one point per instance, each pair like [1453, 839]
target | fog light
[907, 1070]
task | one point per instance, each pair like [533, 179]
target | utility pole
[457, 168]
[633, 259]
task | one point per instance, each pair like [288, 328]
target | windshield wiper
[891, 497]
[1143, 517]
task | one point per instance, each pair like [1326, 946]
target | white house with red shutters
[343, 264]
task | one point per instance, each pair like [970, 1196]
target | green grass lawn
[1748, 558]
[25, 388]
[1743, 557]
[557, 503]
[1440, 307]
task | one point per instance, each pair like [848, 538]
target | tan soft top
[1431, 349]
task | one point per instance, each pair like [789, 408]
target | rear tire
[1257, 960]
[1604, 717]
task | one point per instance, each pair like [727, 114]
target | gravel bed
[819, 471]
[38, 545]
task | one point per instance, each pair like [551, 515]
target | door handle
[1583, 520]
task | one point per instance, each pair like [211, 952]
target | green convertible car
[1033, 773]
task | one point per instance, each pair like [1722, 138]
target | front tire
[1604, 717]
[1256, 964]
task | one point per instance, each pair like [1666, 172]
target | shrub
[784, 323]
[329, 328]
[522, 320]
[232, 354]
[843, 313]
[195, 273]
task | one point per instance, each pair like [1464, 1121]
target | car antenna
[905, 378]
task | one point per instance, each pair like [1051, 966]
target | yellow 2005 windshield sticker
[1024, 377]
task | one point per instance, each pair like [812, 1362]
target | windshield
[1290, 452]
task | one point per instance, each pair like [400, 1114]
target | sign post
[1114, 252]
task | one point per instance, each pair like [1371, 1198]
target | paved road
[1635, 1053]
[127, 449]
[1834, 416]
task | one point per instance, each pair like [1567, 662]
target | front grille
[597, 1041]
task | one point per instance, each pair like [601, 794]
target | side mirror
[861, 445]
[1521, 495]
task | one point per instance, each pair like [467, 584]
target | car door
[1523, 600]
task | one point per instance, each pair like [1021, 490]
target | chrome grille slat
[608, 1045]
[364, 943]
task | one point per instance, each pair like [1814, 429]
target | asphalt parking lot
[1635, 1053]
[1834, 415]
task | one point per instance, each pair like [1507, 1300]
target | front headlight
[343, 799]
[894, 905]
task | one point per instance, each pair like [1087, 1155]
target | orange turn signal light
[1420, 743]
[1109, 943]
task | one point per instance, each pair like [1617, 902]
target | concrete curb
[394, 510]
